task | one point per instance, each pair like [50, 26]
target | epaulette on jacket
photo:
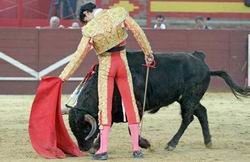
[105, 21]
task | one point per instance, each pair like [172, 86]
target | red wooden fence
[27, 53]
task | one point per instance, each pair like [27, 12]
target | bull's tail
[237, 90]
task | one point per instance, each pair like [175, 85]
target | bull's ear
[91, 120]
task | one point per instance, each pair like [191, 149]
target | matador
[105, 30]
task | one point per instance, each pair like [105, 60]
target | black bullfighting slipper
[138, 154]
[101, 156]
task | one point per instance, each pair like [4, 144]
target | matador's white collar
[97, 11]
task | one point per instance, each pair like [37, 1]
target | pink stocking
[134, 130]
[104, 135]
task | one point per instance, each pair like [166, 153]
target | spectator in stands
[54, 23]
[200, 23]
[160, 22]
[75, 25]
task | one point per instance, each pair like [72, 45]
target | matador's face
[88, 16]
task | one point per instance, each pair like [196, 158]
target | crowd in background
[159, 22]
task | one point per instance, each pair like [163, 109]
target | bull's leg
[187, 118]
[201, 114]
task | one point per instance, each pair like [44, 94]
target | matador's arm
[139, 35]
[82, 50]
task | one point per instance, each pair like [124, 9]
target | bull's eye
[86, 129]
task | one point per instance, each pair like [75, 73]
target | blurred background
[177, 13]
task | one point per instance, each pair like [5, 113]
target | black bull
[180, 77]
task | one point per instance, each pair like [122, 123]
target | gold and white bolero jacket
[106, 30]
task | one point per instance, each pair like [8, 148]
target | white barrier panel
[35, 75]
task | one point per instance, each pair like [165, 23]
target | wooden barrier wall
[26, 54]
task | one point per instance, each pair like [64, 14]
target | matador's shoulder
[107, 19]
[118, 13]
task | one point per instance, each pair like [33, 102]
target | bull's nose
[83, 148]
[92, 150]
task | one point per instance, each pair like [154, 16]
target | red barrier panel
[26, 54]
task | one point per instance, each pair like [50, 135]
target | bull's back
[172, 75]
[172, 64]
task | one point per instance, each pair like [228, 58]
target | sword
[145, 92]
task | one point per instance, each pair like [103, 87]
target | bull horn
[88, 118]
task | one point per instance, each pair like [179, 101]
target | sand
[229, 121]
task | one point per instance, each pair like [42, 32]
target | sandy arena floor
[229, 121]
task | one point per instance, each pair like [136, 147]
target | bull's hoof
[144, 143]
[209, 145]
[169, 148]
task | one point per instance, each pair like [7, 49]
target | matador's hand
[149, 59]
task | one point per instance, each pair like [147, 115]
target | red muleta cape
[48, 134]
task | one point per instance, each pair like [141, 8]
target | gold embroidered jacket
[105, 31]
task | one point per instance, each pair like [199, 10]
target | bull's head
[83, 118]
[84, 127]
